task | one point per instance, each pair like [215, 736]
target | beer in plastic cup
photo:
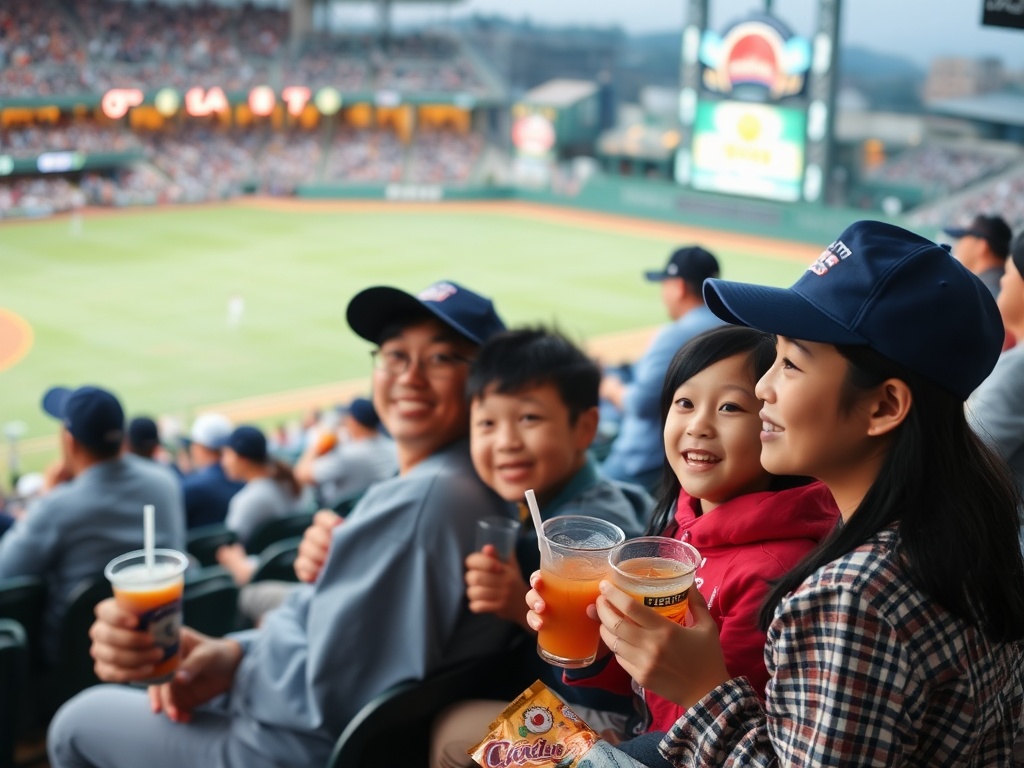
[572, 565]
[657, 572]
[155, 596]
[500, 532]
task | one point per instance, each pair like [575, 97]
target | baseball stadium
[192, 193]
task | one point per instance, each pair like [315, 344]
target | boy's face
[524, 440]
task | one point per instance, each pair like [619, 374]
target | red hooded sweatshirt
[743, 543]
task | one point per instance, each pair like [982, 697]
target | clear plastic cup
[656, 571]
[572, 565]
[155, 596]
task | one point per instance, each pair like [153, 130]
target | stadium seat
[277, 562]
[74, 669]
[13, 680]
[345, 505]
[203, 542]
[273, 531]
[401, 717]
[210, 602]
[23, 599]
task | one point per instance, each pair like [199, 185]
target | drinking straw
[147, 535]
[542, 540]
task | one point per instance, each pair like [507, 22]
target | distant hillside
[888, 82]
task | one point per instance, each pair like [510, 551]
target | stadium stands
[58, 57]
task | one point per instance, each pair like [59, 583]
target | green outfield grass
[138, 302]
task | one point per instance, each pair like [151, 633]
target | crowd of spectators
[1004, 194]
[202, 161]
[938, 168]
[364, 156]
[444, 157]
[61, 47]
[77, 136]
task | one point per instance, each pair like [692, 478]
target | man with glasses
[388, 605]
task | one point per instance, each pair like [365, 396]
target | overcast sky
[917, 29]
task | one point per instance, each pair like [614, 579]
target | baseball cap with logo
[92, 415]
[692, 263]
[467, 313]
[992, 229]
[887, 288]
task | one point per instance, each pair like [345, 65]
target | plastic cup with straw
[573, 560]
[149, 583]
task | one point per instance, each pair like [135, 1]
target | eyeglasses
[438, 365]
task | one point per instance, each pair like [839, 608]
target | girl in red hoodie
[749, 526]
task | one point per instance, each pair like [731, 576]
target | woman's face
[805, 431]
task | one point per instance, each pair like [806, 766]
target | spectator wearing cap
[208, 491]
[385, 600]
[638, 452]
[270, 489]
[363, 457]
[70, 533]
[996, 408]
[982, 247]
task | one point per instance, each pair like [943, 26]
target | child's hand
[493, 586]
[681, 664]
[535, 602]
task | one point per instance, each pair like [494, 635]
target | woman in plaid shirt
[898, 641]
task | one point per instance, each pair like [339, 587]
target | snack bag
[537, 730]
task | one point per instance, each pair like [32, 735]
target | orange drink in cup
[656, 571]
[573, 560]
[153, 592]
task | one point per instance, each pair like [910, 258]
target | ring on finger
[615, 646]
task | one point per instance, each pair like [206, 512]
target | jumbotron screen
[748, 149]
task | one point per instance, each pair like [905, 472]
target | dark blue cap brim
[781, 311]
[372, 309]
[957, 232]
[55, 400]
[656, 277]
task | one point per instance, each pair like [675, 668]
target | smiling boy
[533, 413]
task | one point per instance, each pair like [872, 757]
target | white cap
[211, 430]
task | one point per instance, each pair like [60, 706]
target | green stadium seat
[272, 531]
[13, 686]
[210, 602]
[203, 543]
[277, 562]
[408, 709]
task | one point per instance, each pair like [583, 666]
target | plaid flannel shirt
[865, 671]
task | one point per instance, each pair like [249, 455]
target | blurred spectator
[208, 491]
[73, 531]
[996, 407]
[638, 451]
[362, 457]
[982, 246]
[270, 490]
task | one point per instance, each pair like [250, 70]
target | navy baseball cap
[887, 288]
[362, 410]
[692, 263]
[249, 443]
[143, 434]
[92, 415]
[468, 313]
[992, 229]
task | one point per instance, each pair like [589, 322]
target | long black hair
[954, 501]
[698, 353]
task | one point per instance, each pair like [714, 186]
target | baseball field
[241, 306]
